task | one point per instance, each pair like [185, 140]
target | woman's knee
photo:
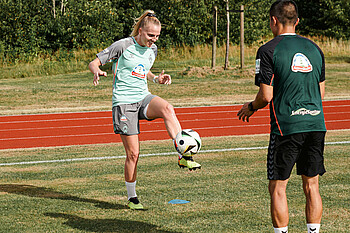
[159, 108]
[132, 155]
[168, 110]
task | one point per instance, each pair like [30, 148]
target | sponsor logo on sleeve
[301, 63]
[257, 66]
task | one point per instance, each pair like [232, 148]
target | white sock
[131, 189]
[313, 228]
[281, 230]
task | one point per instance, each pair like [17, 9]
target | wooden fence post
[242, 36]
[227, 35]
[215, 29]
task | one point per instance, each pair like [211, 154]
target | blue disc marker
[178, 201]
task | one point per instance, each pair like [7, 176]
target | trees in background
[32, 28]
[329, 18]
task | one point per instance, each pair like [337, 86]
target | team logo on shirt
[304, 111]
[139, 71]
[301, 63]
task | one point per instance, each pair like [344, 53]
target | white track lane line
[145, 155]
[144, 131]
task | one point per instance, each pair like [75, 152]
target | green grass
[192, 86]
[62, 83]
[229, 194]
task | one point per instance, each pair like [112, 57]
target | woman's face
[149, 35]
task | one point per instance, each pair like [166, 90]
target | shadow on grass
[42, 192]
[105, 225]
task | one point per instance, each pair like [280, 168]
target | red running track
[64, 129]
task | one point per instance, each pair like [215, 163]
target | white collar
[288, 34]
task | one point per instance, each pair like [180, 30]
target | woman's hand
[94, 67]
[164, 78]
[97, 76]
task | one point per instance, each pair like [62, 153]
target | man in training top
[290, 73]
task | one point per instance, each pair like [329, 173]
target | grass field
[191, 87]
[229, 194]
[194, 82]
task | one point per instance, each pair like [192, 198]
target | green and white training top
[294, 66]
[131, 64]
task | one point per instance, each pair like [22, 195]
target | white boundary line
[146, 155]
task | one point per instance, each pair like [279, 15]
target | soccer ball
[188, 141]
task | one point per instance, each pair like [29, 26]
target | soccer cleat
[134, 204]
[187, 161]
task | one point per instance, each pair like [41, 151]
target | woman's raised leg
[160, 108]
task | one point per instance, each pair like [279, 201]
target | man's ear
[274, 20]
[297, 22]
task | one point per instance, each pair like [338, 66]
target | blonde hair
[148, 17]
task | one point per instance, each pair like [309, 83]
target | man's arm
[322, 88]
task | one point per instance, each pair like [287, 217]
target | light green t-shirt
[131, 64]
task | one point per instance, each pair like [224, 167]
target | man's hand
[245, 113]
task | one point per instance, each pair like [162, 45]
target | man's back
[294, 66]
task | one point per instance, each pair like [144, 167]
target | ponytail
[144, 20]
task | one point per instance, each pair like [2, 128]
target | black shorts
[304, 149]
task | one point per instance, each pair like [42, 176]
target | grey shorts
[126, 116]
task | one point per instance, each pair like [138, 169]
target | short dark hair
[286, 11]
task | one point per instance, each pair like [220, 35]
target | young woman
[132, 59]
